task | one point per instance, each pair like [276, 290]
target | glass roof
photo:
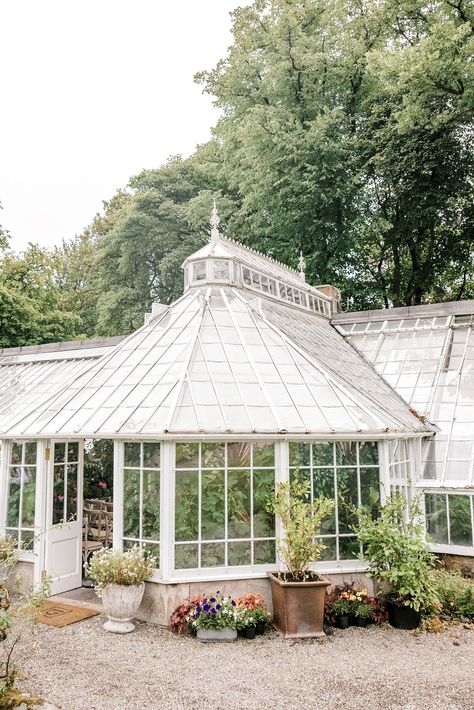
[430, 363]
[218, 360]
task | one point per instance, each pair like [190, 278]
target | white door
[63, 544]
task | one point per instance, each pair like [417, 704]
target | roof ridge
[260, 254]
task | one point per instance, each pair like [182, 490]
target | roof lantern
[225, 261]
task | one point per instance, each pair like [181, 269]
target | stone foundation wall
[160, 600]
[458, 563]
[21, 577]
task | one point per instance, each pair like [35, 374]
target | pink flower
[102, 484]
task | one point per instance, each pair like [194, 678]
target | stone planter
[298, 607]
[221, 635]
[120, 603]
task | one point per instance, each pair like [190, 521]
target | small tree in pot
[399, 558]
[298, 594]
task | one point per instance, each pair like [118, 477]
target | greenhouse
[251, 377]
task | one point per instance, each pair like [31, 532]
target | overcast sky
[91, 92]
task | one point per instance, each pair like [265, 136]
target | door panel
[63, 553]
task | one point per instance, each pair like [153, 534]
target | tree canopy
[346, 132]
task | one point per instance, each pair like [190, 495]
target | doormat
[59, 615]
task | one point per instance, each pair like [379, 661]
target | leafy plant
[130, 568]
[341, 607]
[181, 616]
[397, 553]
[252, 610]
[15, 622]
[7, 548]
[301, 520]
[215, 612]
[455, 594]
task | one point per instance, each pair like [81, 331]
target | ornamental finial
[215, 221]
[302, 265]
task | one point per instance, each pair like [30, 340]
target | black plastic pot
[342, 622]
[249, 632]
[260, 628]
[401, 616]
[362, 621]
[352, 620]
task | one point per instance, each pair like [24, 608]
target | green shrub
[301, 521]
[455, 594]
[397, 553]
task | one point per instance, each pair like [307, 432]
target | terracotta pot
[298, 607]
[120, 603]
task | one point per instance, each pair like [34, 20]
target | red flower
[102, 484]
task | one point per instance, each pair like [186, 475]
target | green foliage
[108, 566]
[99, 469]
[455, 594]
[396, 552]
[301, 521]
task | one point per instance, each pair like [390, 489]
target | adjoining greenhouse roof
[426, 354]
[219, 361]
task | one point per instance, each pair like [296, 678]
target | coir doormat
[57, 614]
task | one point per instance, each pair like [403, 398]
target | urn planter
[220, 635]
[120, 603]
[298, 607]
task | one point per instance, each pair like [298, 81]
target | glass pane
[16, 453]
[264, 552]
[368, 453]
[27, 540]
[213, 554]
[132, 454]
[187, 455]
[129, 544]
[30, 453]
[151, 455]
[71, 501]
[151, 505]
[346, 453]
[58, 494]
[323, 454]
[263, 491]
[300, 454]
[131, 503]
[347, 497]
[59, 453]
[460, 526]
[186, 506]
[329, 552]
[370, 490]
[151, 549]
[238, 454]
[73, 452]
[212, 505]
[199, 271]
[13, 513]
[349, 548]
[238, 503]
[263, 454]
[238, 553]
[436, 517]
[323, 487]
[221, 270]
[212, 455]
[186, 556]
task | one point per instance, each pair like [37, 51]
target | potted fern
[298, 594]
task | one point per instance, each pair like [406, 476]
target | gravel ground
[81, 667]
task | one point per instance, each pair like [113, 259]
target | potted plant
[362, 613]
[120, 580]
[253, 611]
[298, 594]
[340, 609]
[215, 618]
[399, 558]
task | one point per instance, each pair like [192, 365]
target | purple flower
[212, 600]
[213, 611]
[218, 606]
[233, 603]
[206, 607]
[198, 607]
